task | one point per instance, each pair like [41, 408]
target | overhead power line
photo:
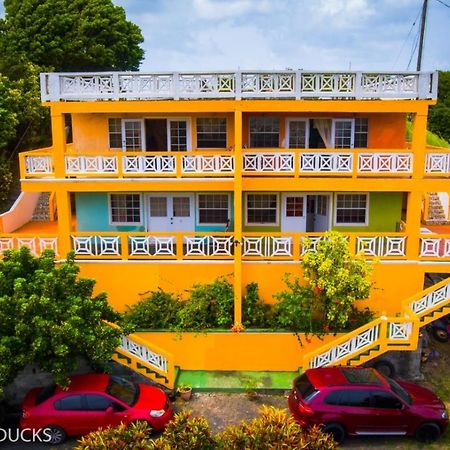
[443, 3]
[407, 37]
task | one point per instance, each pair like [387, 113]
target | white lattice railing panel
[435, 247]
[353, 345]
[400, 331]
[319, 84]
[151, 245]
[437, 163]
[268, 162]
[37, 165]
[429, 301]
[145, 85]
[206, 85]
[144, 354]
[91, 164]
[326, 162]
[385, 162]
[390, 84]
[267, 246]
[381, 245]
[204, 164]
[208, 246]
[36, 244]
[87, 85]
[151, 164]
[268, 84]
[96, 245]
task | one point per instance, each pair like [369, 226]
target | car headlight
[445, 414]
[157, 412]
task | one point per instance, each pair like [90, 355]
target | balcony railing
[298, 84]
[256, 162]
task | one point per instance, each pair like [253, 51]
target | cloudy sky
[276, 34]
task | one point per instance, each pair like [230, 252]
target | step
[237, 381]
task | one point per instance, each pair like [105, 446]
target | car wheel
[54, 435]
[385, 367]
[428, 432]
[440, 334]
[336, 430]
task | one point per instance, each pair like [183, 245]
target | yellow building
[161, 180]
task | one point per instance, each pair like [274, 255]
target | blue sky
[276, 34]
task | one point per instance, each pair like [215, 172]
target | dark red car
[93, 401]
[361, 401]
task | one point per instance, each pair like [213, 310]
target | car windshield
[45, 394]
[123, 389]
[400, 391]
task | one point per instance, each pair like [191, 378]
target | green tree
[69, 35]
[439, 116]
[49, 316]
[337, 277]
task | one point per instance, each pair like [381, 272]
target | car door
[102, 411]
[354, 409]
[388, 413]
[70, 414]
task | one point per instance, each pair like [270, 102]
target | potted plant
[185, 391]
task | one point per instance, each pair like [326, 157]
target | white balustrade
[437, 163]
[385, 162]
[435, 247]
[268, 162]
[81, 164]
[38, 164]
[381, 245]
[96, 245]
[430, 300]
[267, 246]
[151, 245]
[36, 244]
[294, 84]
[208, 245]
[207, 164]
[400, 331]
[353, 345]
[149, 164]
[326, 162]
[144, 354]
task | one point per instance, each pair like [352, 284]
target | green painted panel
[260, 228]
[385, 212]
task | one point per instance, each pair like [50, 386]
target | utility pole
[422, 33]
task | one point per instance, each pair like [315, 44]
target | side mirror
[109, 410]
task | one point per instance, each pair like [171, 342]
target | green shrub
[158, 310]
[359, 317]
[255, 312]
[136, 436]
[274, 429]
[185, 432]
[6, 179]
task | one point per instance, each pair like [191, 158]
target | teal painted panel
[207, 228]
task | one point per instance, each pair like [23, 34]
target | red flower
[326, 328]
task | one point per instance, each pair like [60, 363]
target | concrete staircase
[436, 214]
[42, 211]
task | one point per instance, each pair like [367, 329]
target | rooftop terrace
[288, 84]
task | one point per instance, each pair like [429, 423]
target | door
[171, 212]
[156, 135]
[322, 214]
[133, 134]
[294, 212]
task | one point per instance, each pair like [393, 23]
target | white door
[133, 137]
[171, 212]
[293, 212]
[322, 215]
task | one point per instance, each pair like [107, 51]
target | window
[181, 207]
[211, 133]
[333, 398]
[97, 402]
[304, 387]
[361, 133]
[385, 400]
[158, 206]
[70, 403]
[133, 134]
[264, 132]
[123, 389]
[294, 206]
[115, 133]
[213, 209]
[125, 208]
[343, 133]
[322, 205]
[357, 398]
[178, 135]
[297, 133]
[351, 209]
[262, 209]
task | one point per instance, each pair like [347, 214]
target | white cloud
[343, 13]
[221, 9]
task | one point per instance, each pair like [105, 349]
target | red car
[361, 401]
[93, 401]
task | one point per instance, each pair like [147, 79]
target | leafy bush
[136, 436]
[6, 179]
[158, 310]
[275, 428]
[255, 312]
[359, 317]
[185, 432]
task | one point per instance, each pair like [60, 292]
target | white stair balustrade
[143, 353]
[430, 300]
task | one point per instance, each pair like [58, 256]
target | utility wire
[416, 43]
[443, 3]
[407, 37]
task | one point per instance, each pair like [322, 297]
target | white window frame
[197, 208]
[226, 133]
[264, 117]
[141, 209]
[121, 133]
[141, 120]
[287, 131]
[188, 133]
[268, 224]
[333, 132]
[350, 224]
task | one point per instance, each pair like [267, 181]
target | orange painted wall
[387, 131]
